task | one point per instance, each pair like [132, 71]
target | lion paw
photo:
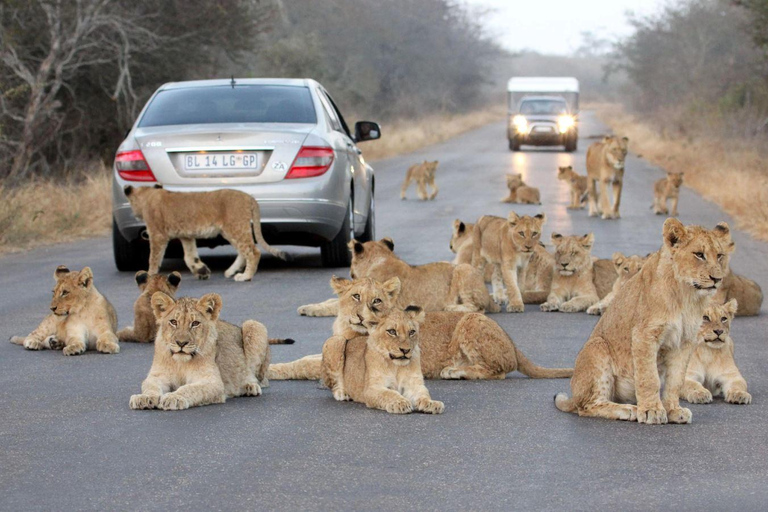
[173, 402]
[451, 373]
[594, 310]
[241, 277]
[340, 395]
[33, 344]
[549, 306]
[738, 397]
[515, 308]
[655, 415]
[54, 343]
[699, 396]
[144, 401]
[430, 406]
[202, 273]
[107, 347]
[401, 406]
[74, 349]
[567, 307]
[679, 415]
[252, 389]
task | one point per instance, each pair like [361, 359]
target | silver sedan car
[283, 141]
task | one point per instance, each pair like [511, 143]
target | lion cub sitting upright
[666, 189]
[712, 370]
[578, 185]
[626, 268]
[81, 318]
[423, 174]
[144, 326]
[519, 192]
[199, 359]
[573, 283]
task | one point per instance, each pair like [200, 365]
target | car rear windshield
[227, 104]
[543, 108]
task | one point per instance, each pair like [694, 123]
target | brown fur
[461, 245]
[144, 327]
[573, 283]
[664, 190]
[423, 174]
[626, 268]
[605, 165]
[81, 319]
[190, 215]
[712, 369]
[644, 340]
[744, 290]
[199, 359]
[578, 184]
[519, 192]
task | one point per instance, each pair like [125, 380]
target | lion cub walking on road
[578, 185]
[144, 327]
[519, 192]
[666, 189]
[712, 369]
[199, 359]
[423, 174]
[81, 318]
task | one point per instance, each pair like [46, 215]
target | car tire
[370, 225]
[336, 253]
[571, 143]
[129, 255]
[514, 144]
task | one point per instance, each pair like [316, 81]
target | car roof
[291, 82]
[539, 98]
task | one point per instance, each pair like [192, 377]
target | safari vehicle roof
[295, 82]
[541, 84]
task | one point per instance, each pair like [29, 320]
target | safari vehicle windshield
[227, 104]
[543, 108]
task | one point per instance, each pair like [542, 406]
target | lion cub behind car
[191, 215]
[199, 359]
[712, 369]
[81, 318]
[519, 192]
[381, 370]
[423, 174]
[144, 327]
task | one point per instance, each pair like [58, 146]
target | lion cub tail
[534, 371]
[563, 403]
[256, 227]
[281, 341]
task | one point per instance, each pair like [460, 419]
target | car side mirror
[367, 130]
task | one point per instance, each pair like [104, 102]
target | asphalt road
[69, 441]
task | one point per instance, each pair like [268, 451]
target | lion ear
[127, 190]
[542, 217]
[174, 279]
[142, 277]
[556, 238]
[459, 226]
[210, 305]
[731, 307]
[355, 247]
[415, 313]
[588, 240]
[161, 303]
[618, 258]
[389, 243]
[674, 231]
[85, 279]
[60, 271]
[340, 285]
[512, 218]
[392, 287]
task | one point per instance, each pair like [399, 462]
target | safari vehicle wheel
[571, 144]
[370, 225]
[514, 145]
[129, 255]
[336, 253]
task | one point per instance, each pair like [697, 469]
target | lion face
[430, 168]
[71, 291]
[675, 179]
[364, 300]
[187, 327]
[514, 181]
[572, 253]
[461, 232]
[366, 255]
[716, 326]
[149, 284]
[616, 151]
[526, 230]
[396, 335]
[699, 256]
[627, 266]
[564, 172]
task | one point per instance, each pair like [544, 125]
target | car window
[330, 112]
[338, 114]
[227, 104]
[543, 108]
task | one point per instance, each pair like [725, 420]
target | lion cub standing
[666, 189]
[519, 192]
[423, 174]
[144, 327]
[578, 185]
[199, 359]
[81, 318]
[712, 370]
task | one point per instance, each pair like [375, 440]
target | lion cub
[199, 359]
[666, 189]
[626, 268]
[81, 318]
[144, 327]
[382, 370]
[712, 370]
[578, 185]
[423, 174]
[519, 192]
[573, 283]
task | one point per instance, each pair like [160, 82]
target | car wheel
[514, 144]
[571, 143]
[129, 255]
[370, 225]
[336, 253]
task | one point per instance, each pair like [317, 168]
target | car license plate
[220, 161]
[543, 129]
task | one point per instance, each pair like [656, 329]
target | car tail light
[132, 166]
[311, 161]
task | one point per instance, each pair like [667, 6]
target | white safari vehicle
[543, 112]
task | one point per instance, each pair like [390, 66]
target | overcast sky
[555, 26]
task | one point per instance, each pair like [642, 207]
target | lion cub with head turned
[423, 174]
[666, 189]
[519, 192]
[712, 369]
[144, 327]
[199, 359]
[81, 318]
[578, 185]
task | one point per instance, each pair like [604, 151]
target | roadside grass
[730, 172]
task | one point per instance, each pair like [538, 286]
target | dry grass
[728, 172]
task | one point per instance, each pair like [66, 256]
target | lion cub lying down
[626, 268]
[144, 327]
[519, 192]
[423, 174]
[199, 359]
[383, 369]
[81, 319]
[712, 370]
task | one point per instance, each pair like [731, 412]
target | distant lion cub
[519, 192]
[666, 189]
[578, 185]
[423, 174]
[712, 370]
[144, 326]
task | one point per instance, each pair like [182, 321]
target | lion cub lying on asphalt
[144, 327]
[519, 192]
[423, 174]
[81, 318]
[199, 359]
[712, 369]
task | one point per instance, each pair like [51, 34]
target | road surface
[69, 441]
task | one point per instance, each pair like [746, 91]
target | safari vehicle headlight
[521, 123]
[564, 123]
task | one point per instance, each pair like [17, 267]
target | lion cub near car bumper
[383, 369]
[519, 192]
[423, 174]
[666, 189]
[199, 359]
[605, 166]
[712, 369]
[643, 342]
[191, 215]
[81, 319]
[144, 327]
[578, 185]
[626, 268]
